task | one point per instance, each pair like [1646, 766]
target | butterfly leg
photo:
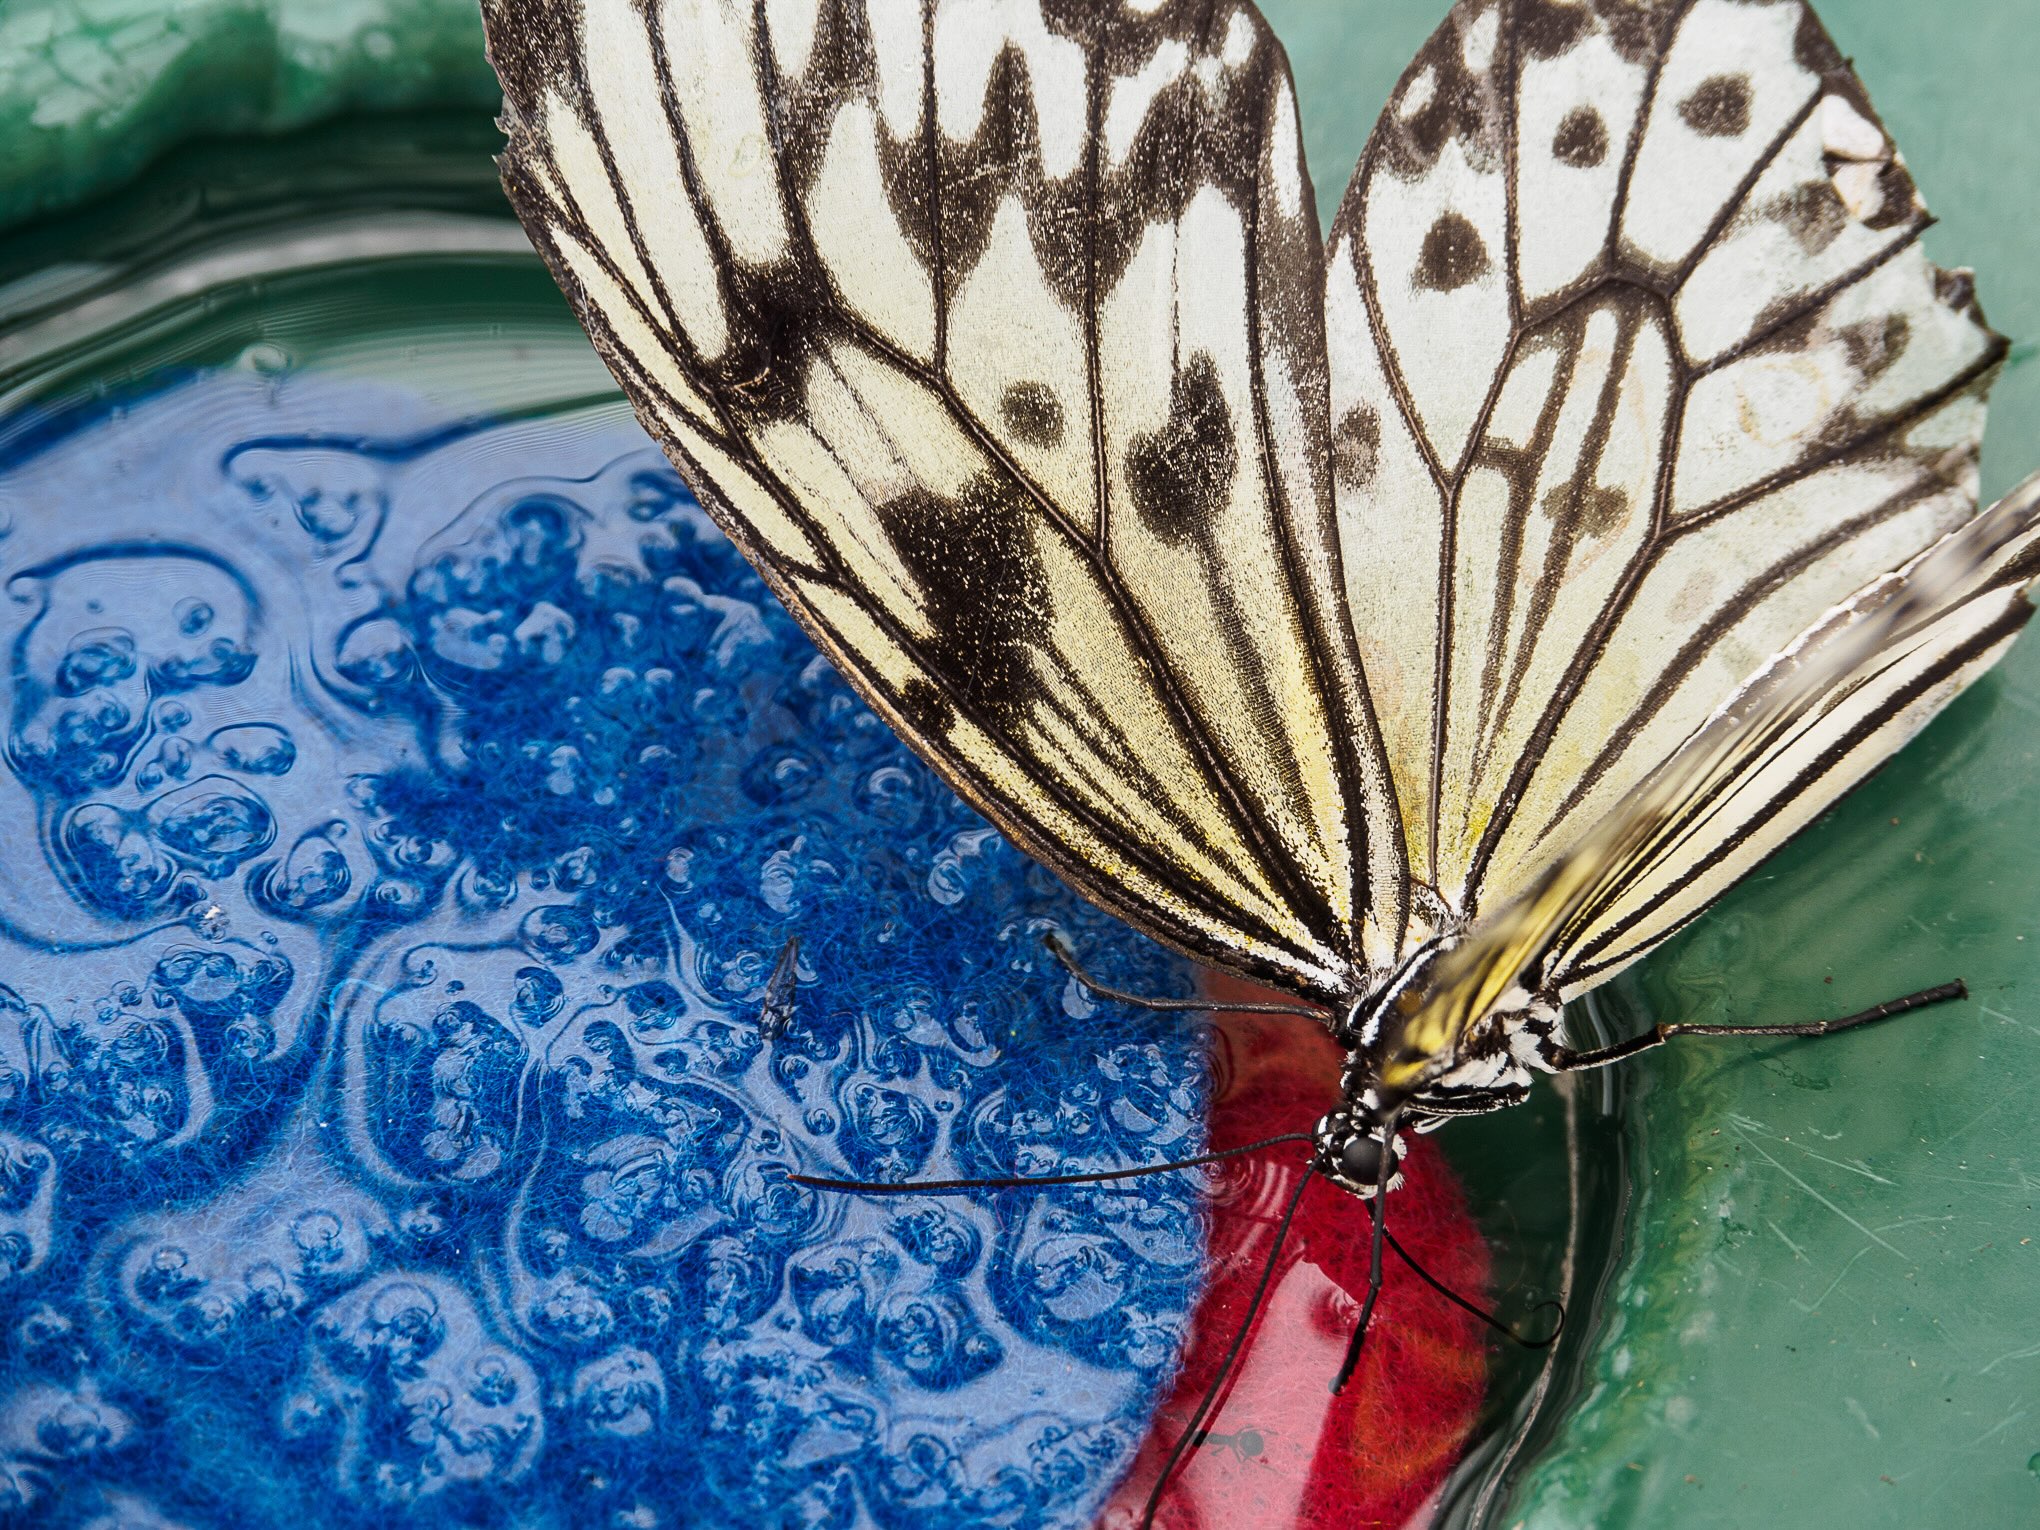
[1429, 1111]
[1060, 950]
[1565, 1060]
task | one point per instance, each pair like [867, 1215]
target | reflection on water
[400, 824]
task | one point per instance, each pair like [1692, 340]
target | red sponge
[1280, 1450]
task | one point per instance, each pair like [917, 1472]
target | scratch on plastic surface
[1998, 1014]
[2014, 1180]
[1797, 1251]
[1885, 1227]
[1972, 1123]
[1856, 1410]
[1999, 1427]
[2011, 1354]
[1830, 1291]
[1761, 1152]
[1853, 1165]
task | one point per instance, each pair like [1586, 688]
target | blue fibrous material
[401, 823]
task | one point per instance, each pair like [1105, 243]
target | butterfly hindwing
[1636, 357]
[1900, 651]
[1813, 722]
[991, 330]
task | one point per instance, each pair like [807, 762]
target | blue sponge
[401, 822]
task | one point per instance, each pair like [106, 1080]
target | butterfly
[1424, 621]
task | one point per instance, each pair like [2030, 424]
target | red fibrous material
[1280, 1450]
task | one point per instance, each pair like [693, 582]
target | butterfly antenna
[1378, 1206]
[950, 1186]
[1060, 950]
[1508, 1331]
[1195, 1431]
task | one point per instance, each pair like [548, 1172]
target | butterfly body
[1490, 1069]
[1426, 621]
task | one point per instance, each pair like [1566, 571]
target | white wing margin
[991, 331]
[1632, 341]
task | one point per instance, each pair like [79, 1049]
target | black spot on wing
[1956, 289]
[925, 708]
[1719, 106]
[1032, 414]
[1875, 344]
[1895, 202]
[1812, 49]
[1550, 28]
[843, 67]
[1811, 212]
[1547, 30]
[1453, 255]
[1356, 447]
[1179, 476]
[1002, 158]
[1459, 104]
[981, 577]
[1581, 140]
[777, 327]
[1594, 511]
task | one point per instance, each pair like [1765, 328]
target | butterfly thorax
[1487, 1069]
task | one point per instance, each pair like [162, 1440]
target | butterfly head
[1350, 1144]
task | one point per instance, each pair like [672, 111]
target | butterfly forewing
[1637, 368]
[992, 331]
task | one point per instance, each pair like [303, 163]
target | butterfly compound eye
[1360, 1159]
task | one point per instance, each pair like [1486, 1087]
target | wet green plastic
[1821, 1310]
[91, 90]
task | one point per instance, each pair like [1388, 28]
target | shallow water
[410, 796]
[401, 824]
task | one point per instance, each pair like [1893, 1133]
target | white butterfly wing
[1637, 369]
[1878, 669]
[1811, 724]
[991, 331]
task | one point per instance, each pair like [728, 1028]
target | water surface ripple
[400, 822]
